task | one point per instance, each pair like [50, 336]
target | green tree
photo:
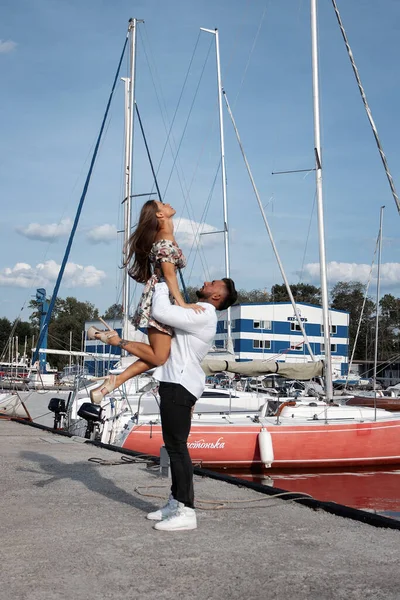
[113, 312]
[19, 329]
[5, 330]
[35, 315]
[23, 330]
[302, 292]
[389, 326]
[69, 323]
[349, 296]
[68, 318]
[253, 297]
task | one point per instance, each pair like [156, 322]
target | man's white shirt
[192, 339]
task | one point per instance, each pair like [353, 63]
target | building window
[233, 324]
[294, 327]
[333, 348]
[262, 325]
[263, 344]
[297, 347]
[333, 329]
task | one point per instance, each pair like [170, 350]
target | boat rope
[124, 460]
[367, 108]
[225, 504]
[78, 213]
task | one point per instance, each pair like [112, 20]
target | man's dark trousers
[175, 409]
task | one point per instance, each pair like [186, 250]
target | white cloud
[7, 46]
[188, 231]
[44, 274]
[46, 233]
[103, 234]
[339, 271]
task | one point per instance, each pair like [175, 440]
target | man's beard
[200, 295]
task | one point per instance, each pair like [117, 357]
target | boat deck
[74, 528]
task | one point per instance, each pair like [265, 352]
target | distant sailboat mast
[320, 207]
[378, 291]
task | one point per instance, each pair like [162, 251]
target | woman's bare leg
[153, 354]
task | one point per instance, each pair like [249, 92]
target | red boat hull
[295, 446]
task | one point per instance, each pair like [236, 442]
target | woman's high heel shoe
[97, 334]
[105, 388]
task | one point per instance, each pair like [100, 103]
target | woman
[157, 256]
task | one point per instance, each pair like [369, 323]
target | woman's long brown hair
[141, 241]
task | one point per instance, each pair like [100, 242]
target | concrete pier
[74, 528]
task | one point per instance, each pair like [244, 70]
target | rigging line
[196, 241]
[78, 213]
[203, 216]
[308, 237]
[158, 190]
[196, 238]
[362, 312]
[185, 194]
[275, 250]
[237, 39]
[179, 100]
[163, 109]
[367, 108]
[46, 250]
[251, 53]
[387, 363]
[188, 117]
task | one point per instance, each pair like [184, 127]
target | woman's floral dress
[161, 251]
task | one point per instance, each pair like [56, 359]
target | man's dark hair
[231, 296]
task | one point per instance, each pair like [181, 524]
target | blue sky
[57, 62]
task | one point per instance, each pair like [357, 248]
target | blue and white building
[259, 331]
[271, 331]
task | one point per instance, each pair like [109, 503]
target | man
[181, 383]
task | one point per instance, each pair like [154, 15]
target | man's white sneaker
[183, 519]
[166, 511]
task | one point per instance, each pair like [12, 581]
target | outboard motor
[92, 414]
[57, 406]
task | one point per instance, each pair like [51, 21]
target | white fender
[266, 448]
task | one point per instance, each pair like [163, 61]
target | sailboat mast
[223, 176]
[320, 207]
[129, 122]
[378, 290]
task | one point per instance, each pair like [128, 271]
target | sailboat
[12, 407]
[289, 434]
[293, 433]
